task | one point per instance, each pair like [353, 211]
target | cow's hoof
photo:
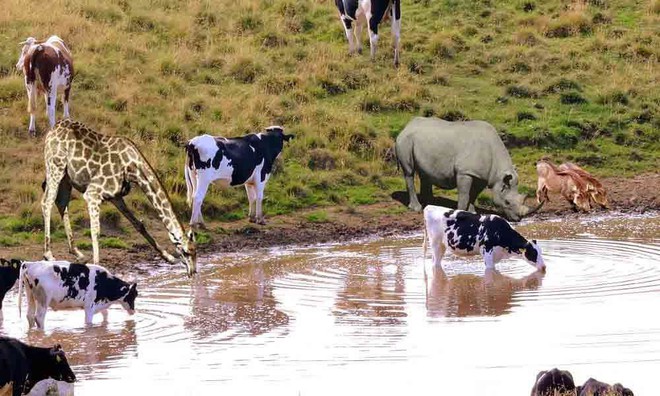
[261, 221]
[32, 133]
[416, 207]
[359, 51]
[252, 219]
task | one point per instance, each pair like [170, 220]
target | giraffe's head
[187, 250]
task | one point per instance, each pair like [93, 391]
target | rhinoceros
[467, 155]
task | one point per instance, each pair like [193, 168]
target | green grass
[573, 81]
[320, 216]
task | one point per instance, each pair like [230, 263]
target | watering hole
[359, 318]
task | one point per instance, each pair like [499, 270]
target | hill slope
[574, 80]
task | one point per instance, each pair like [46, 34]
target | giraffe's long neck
[152, 187]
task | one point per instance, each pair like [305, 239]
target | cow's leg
[89, 314]
[139, 227]
[65, 101]
[62, 203]
[252, 198]
[196, 218]
[40, 318]
[374, 16]
[439, 249]
[359, 23]
[348, 29]
[464, 186]
[489, 258]
[396, 29]
[32, 306]
[260, 187]
[93, 198]
[54, 174]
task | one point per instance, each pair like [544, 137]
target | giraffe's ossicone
[103, 168]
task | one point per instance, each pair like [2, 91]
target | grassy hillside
[576, 80]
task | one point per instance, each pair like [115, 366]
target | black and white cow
[63, 285]
[245, 160]
[9, 270]
[22, 366]
[373, 13]
[466, 234]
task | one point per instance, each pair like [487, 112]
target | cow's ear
[288, 137]
[508, 177]
[3, 262]
[534, 241]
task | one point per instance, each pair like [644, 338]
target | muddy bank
[636, 195]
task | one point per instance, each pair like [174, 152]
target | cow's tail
[190, 184]
[21, 274]
[33, 79]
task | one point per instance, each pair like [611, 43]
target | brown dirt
[636, 195]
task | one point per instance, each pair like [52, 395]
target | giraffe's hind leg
[54, 174]
[62, 203]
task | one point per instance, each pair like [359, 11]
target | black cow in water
[468, 234]
[245, 160]
[63, 285]
[373, 12]
[8, 274]
[22, 365]
[551, 382]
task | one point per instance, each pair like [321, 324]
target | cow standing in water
[48, 68]
[373, 12]
[245, 160]
[63, 285]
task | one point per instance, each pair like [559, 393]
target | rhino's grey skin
[469, 156]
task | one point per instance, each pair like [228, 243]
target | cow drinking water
[468, 234]
[48, 68]
[63, 285]
[246, 160]
[8, 274]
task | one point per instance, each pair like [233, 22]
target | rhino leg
[464, 185]
[414, 202]
[426, 190]
[475, 189]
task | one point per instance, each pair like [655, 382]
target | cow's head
[532, 253]
[128, 301]
[27, 44]
[58, 367]
[187, 250]
[278, 131]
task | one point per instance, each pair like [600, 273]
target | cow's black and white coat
[466, 234]
[244, 160]
[372, 12]
[22, 366]
[9, 270]
[63, 285]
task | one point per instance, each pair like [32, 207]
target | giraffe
[103, 168]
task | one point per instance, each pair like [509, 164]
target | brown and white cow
[48, 68]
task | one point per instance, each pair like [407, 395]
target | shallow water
[359, 319]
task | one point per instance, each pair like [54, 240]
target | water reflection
[474, 295]
[236, 298]
[372, 294]
[93, 346]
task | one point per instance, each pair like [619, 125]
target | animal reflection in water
[373, 294]
[93, 347]
[241, 302]
[474, 295]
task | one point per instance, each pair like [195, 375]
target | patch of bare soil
[635, 195]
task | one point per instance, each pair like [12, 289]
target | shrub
[519, 91]
[572, 98]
